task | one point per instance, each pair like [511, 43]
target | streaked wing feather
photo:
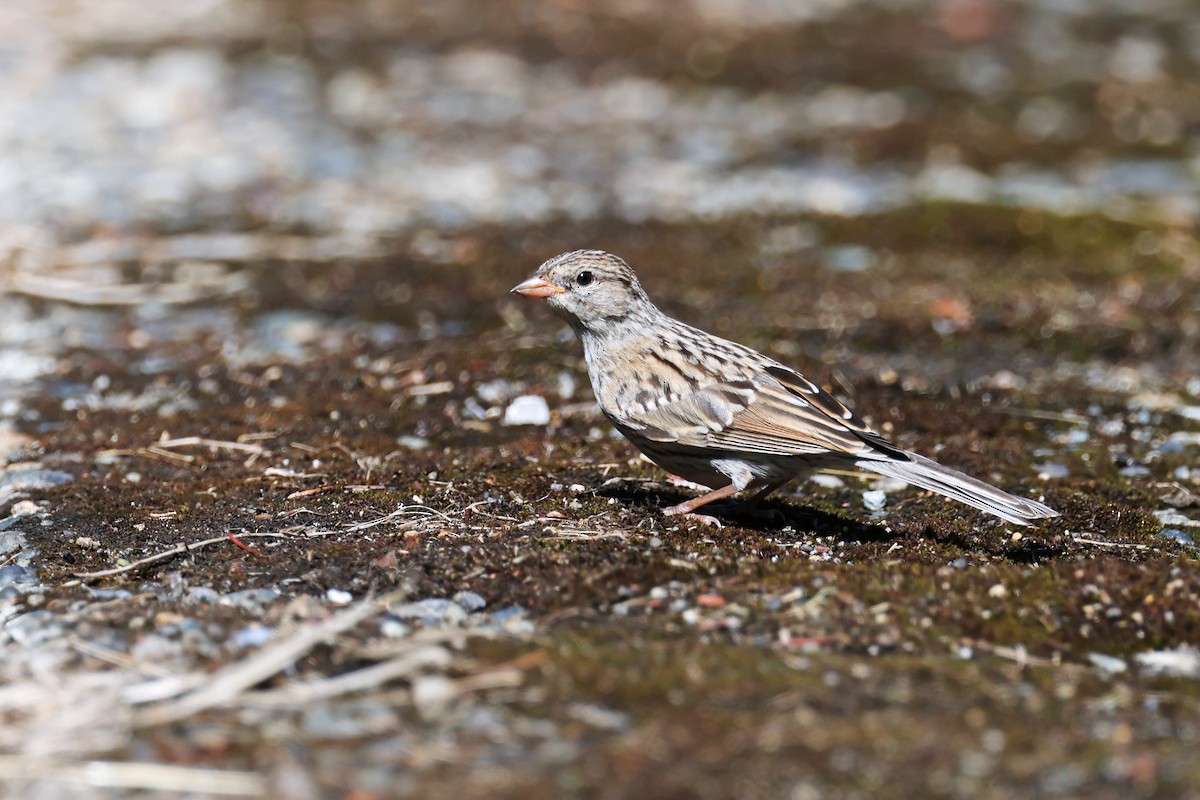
[802, 387]
[774, 411]
[780, 423]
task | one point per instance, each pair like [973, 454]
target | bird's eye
[584, 278]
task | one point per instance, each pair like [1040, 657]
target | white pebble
[874, 499]
[828, 481]
[339, 597]
[432, 693]
[528, 409]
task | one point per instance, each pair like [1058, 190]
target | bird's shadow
[770, 516]
[777, 516]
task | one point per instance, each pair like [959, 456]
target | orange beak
[537, 287]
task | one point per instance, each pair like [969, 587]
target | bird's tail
[928, 474]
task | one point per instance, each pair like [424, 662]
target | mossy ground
[816, 650]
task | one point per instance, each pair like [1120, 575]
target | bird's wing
[768, 409]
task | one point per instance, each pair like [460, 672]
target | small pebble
[11, 541]
[1052, 470]
[1178, 535]
[874, 499]
[827, 481]
[250, 636]
[251, 599]
[14, 575]
[529, 409]
[432, 612]
[432, 693]
[1169, 516]
[1107, 663]
[393, 628]
[203, 594]
[339, 597]
[1183, 662]
[469, 600]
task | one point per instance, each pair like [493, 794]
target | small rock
[432, 693]
[393, 628]
[565, 385]
[156, 649]
[827, 481]
[528, 409]
[23, 508]
[339, 597]
[432, 612]
[1107, 663]
[203, 594]
[998, 591]
[413, 442]
[35, 627]
[597, 717]
[23, 478]
[11, 541]
[874, 499]
[1178, 535]
[507, 613]
[848, 258]
[16, 576]
[1183, 662]
[1179, 441]
[110, 594]
[710, 600]
[1169, 516]
[495, 392]
[1051, 470]
[250, 636]
[889, 485]
[251, 599]
[469, 600]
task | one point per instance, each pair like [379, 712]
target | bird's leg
[762, 494]
[689, 506]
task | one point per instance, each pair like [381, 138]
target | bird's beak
[537, 287]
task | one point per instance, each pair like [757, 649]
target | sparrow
[721, 414]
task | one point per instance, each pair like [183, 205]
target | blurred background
[372, 119]
[156, 156]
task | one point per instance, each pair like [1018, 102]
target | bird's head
[591, 289]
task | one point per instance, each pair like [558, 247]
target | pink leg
[689, 506]
[765, 492]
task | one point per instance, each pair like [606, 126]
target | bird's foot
[692, 516]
